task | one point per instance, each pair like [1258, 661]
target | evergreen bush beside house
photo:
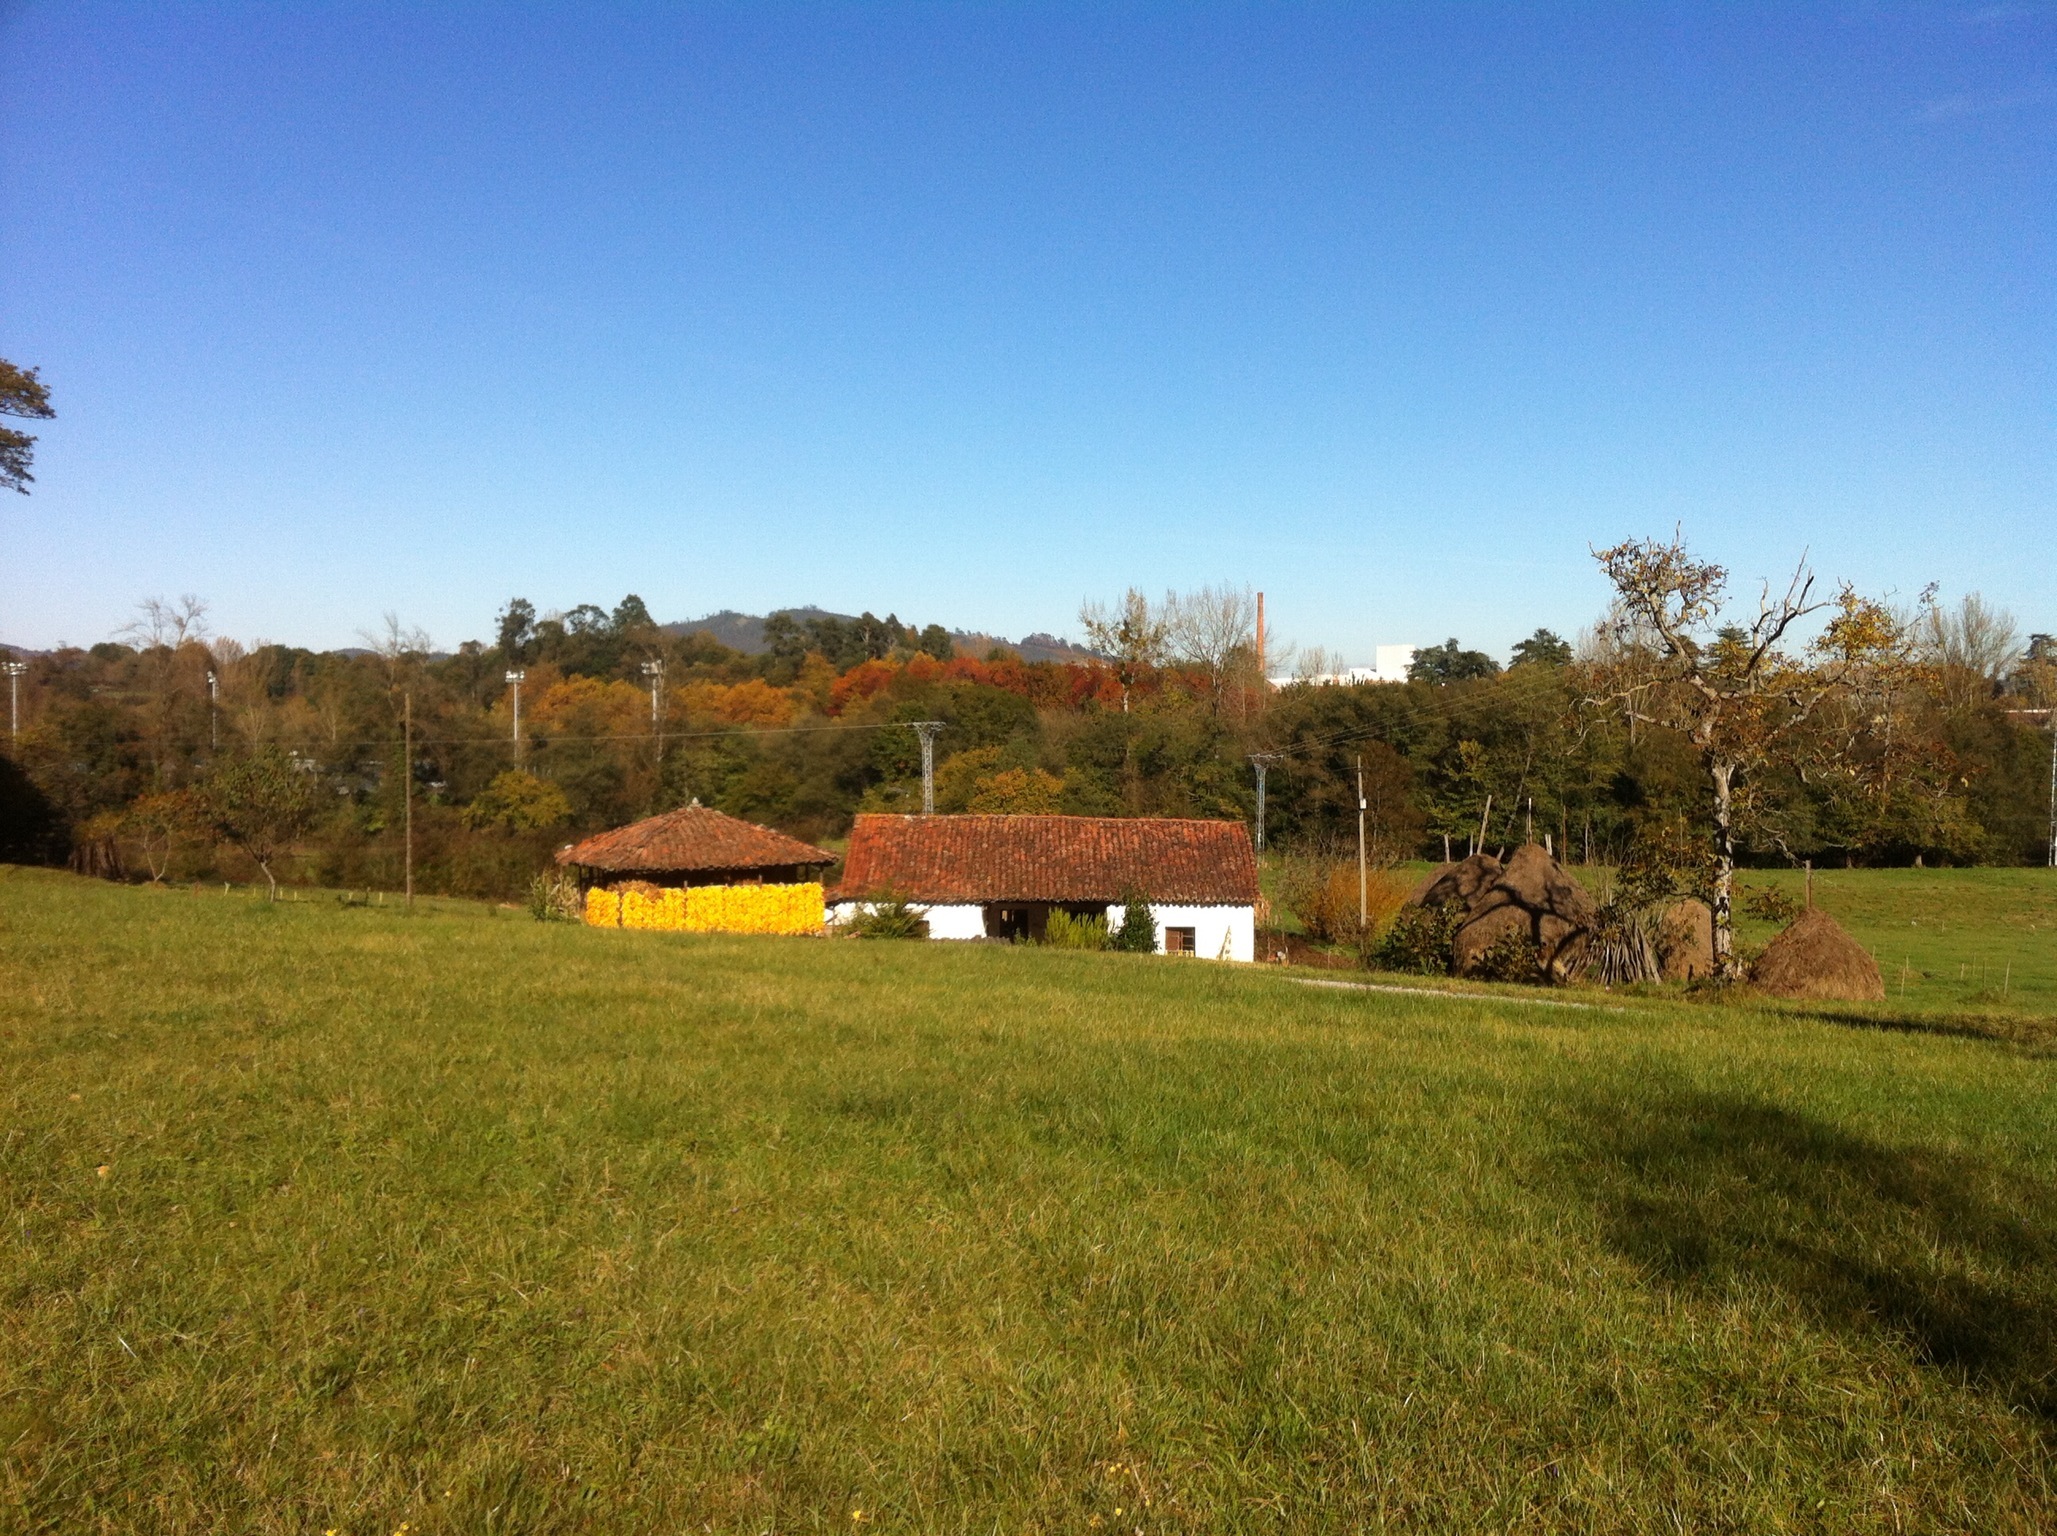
[1137, 934]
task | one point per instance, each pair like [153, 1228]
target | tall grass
[330, 1217]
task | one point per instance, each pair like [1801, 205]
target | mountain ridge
[745, 632]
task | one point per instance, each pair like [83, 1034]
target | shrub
[1312, 889]
[1769, 904]
[1419, 940]
[1067, 932]
[890, 917]
[1322, 893]
[1511, 957]
[1137, 934]
[554, 898]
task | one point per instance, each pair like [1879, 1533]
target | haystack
[1459, 881]
[1815, 958]
[1686, 941]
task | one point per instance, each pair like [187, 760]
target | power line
[733, 732]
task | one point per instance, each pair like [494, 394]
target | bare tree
[400, 649]
[1971, 647]
[1315, 661]
[1214, 631]
[1132, 635]
[172, 638]
[1676, 659]
[166, 626]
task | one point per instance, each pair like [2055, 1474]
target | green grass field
[325, 1218]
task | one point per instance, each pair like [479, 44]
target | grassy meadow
[335, 1218]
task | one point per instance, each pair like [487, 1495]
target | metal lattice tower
[1261, 761]
[926, 730]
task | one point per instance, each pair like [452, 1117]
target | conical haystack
[1815, 958]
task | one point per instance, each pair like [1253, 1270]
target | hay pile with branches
[1815, 958]
[1654, 926]
[1523, 920]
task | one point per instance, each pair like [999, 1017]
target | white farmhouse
[1000, 877]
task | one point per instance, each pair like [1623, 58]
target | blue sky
[969, 312]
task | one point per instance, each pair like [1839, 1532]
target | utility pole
[14, 672]
[1363, 904]
[213, 715]
[654, 670]
[2053, 786]
[515, 677]
[1261, 761]
[926, 730]
[407, 791]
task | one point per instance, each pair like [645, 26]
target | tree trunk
[269, 878]
[1723, 773]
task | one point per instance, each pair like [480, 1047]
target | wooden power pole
[407, 794]
[1363, 905]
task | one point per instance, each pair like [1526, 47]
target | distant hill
[745, 632]
[1040, 646]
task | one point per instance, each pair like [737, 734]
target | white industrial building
[1391, 664]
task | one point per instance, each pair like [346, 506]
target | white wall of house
[1219, 933]
[945, 922]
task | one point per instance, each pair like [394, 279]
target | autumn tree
[1676, 658]
[1132, 635]
[157, 821]
[25, 395]
[171, 639]
[518, 802]
[262, 804]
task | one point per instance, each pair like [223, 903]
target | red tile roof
[689, 839]
[963, 859]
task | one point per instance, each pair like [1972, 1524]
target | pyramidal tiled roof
[693, 837]
[964, 859]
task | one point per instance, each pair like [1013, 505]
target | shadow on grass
[1942, 1253]
[2034, 1033]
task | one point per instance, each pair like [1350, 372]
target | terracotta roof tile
[689, 839]
[939, 859]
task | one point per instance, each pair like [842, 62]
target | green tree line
[129, 753]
